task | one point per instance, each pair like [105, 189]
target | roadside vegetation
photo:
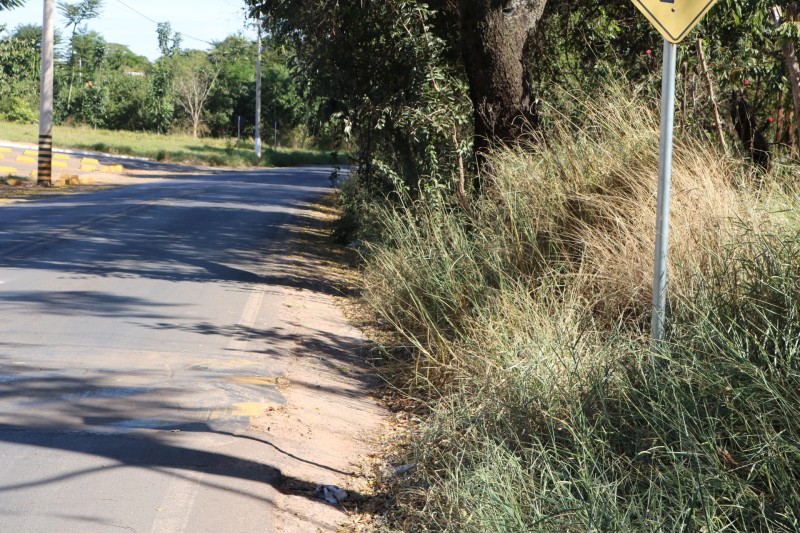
[527, 324]
[506, 218]
[172, 148]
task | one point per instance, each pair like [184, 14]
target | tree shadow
[234, 232]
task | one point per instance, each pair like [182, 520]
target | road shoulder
[332, 418]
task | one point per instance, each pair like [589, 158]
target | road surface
[140, 328]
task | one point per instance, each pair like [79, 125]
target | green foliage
[10, 4]
[379, 72]
[127, 101]
[88, 55]
[160, 109]
[193, 78]
[582, 42]
[120, 59]
[19, 78]
[234, 91]
[168, 42]
[17, 109]
[91, 105]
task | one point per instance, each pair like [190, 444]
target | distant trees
[19, 74]
[198, 91]
[194, 75]
[420, 86]
[75, 14]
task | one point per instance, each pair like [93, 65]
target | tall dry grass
[527, 318]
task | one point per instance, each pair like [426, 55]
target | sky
[199, 21]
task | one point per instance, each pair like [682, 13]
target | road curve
[140, 327]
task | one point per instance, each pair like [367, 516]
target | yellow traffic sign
[674, 19]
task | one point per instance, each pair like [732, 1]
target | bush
[17, 109]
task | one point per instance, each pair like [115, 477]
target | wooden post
[714, 105]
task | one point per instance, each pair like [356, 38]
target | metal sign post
[664, 190]
[674, 19]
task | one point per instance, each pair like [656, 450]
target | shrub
[17, 109]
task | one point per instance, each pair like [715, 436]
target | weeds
[549, 413]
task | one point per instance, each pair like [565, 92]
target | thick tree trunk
[494, 36]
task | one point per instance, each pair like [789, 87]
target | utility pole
[45, 172]
[258, 96]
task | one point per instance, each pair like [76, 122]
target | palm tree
[10, 4]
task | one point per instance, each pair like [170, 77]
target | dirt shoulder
[333, 419]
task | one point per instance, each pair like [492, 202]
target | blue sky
[197, 20]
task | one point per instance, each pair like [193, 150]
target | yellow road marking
[90, 161]
[61, 156]
[250, 408]
[25, 159]
[34, 153]
[253, 380]
[58, 164]
[5, 150]
[8, 170]
[88, 168]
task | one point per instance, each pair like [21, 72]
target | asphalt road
[140, 327]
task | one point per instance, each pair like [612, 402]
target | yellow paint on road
[59, 164]
[34, 153]
[112, 168]
[88, 168]
[251, 408]
[254, 380]
[61, 156]
[8, 170]
[25, 159]
[5, 150]
[90, 161]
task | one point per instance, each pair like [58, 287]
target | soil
[332, 420]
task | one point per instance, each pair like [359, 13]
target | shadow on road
[139, 232]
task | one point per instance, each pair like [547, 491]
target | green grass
[173, 148]
[528, 323]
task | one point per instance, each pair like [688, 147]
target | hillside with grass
[527, 321]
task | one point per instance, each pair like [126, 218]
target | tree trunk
[714, 105]
[792, 65]
[494, 35]
[744, 122]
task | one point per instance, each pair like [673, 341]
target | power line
[157, 22]
[137, 12]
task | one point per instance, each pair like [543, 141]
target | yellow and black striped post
[44, 174]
